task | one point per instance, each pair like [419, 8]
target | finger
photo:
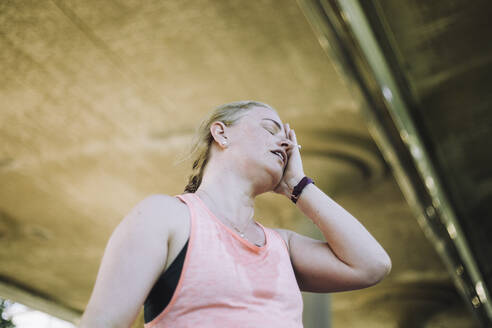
[294, 138]
[290, 147]
[289, 135]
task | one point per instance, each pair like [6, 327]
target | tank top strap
[186, 198]
[194, 206]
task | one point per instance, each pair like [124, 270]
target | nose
[286, 144]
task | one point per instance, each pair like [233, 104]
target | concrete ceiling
[99, 101]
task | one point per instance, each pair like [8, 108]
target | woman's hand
[293, 172]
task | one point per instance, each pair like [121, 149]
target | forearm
[345, 235]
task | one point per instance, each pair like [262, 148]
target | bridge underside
[99, 102]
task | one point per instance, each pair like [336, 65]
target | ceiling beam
[346, 35]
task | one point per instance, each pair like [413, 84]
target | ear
[218, 129]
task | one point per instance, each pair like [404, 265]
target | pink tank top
[227, 281]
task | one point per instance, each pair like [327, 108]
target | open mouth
[279, 154]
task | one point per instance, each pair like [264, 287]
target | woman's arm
[349, 259]
[135, 255]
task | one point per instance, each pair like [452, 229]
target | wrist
[294, 182]
[297, 190]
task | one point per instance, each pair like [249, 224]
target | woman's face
[258, 143]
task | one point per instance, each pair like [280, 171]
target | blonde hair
[228, 114]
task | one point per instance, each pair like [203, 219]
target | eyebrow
[276, 123]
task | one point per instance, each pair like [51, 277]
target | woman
[201, 260]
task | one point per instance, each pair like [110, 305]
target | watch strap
[296, 192]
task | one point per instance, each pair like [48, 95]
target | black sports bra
[161, 293]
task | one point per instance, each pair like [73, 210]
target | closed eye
[270, 128]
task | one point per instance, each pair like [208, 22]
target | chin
[274, 173]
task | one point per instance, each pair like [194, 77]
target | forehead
[261, 113]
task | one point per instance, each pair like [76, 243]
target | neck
[228, 196]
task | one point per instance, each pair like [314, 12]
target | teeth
[279, 154]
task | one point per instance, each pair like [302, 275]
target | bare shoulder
[135, 255]
[157, 212]
[285, 234]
